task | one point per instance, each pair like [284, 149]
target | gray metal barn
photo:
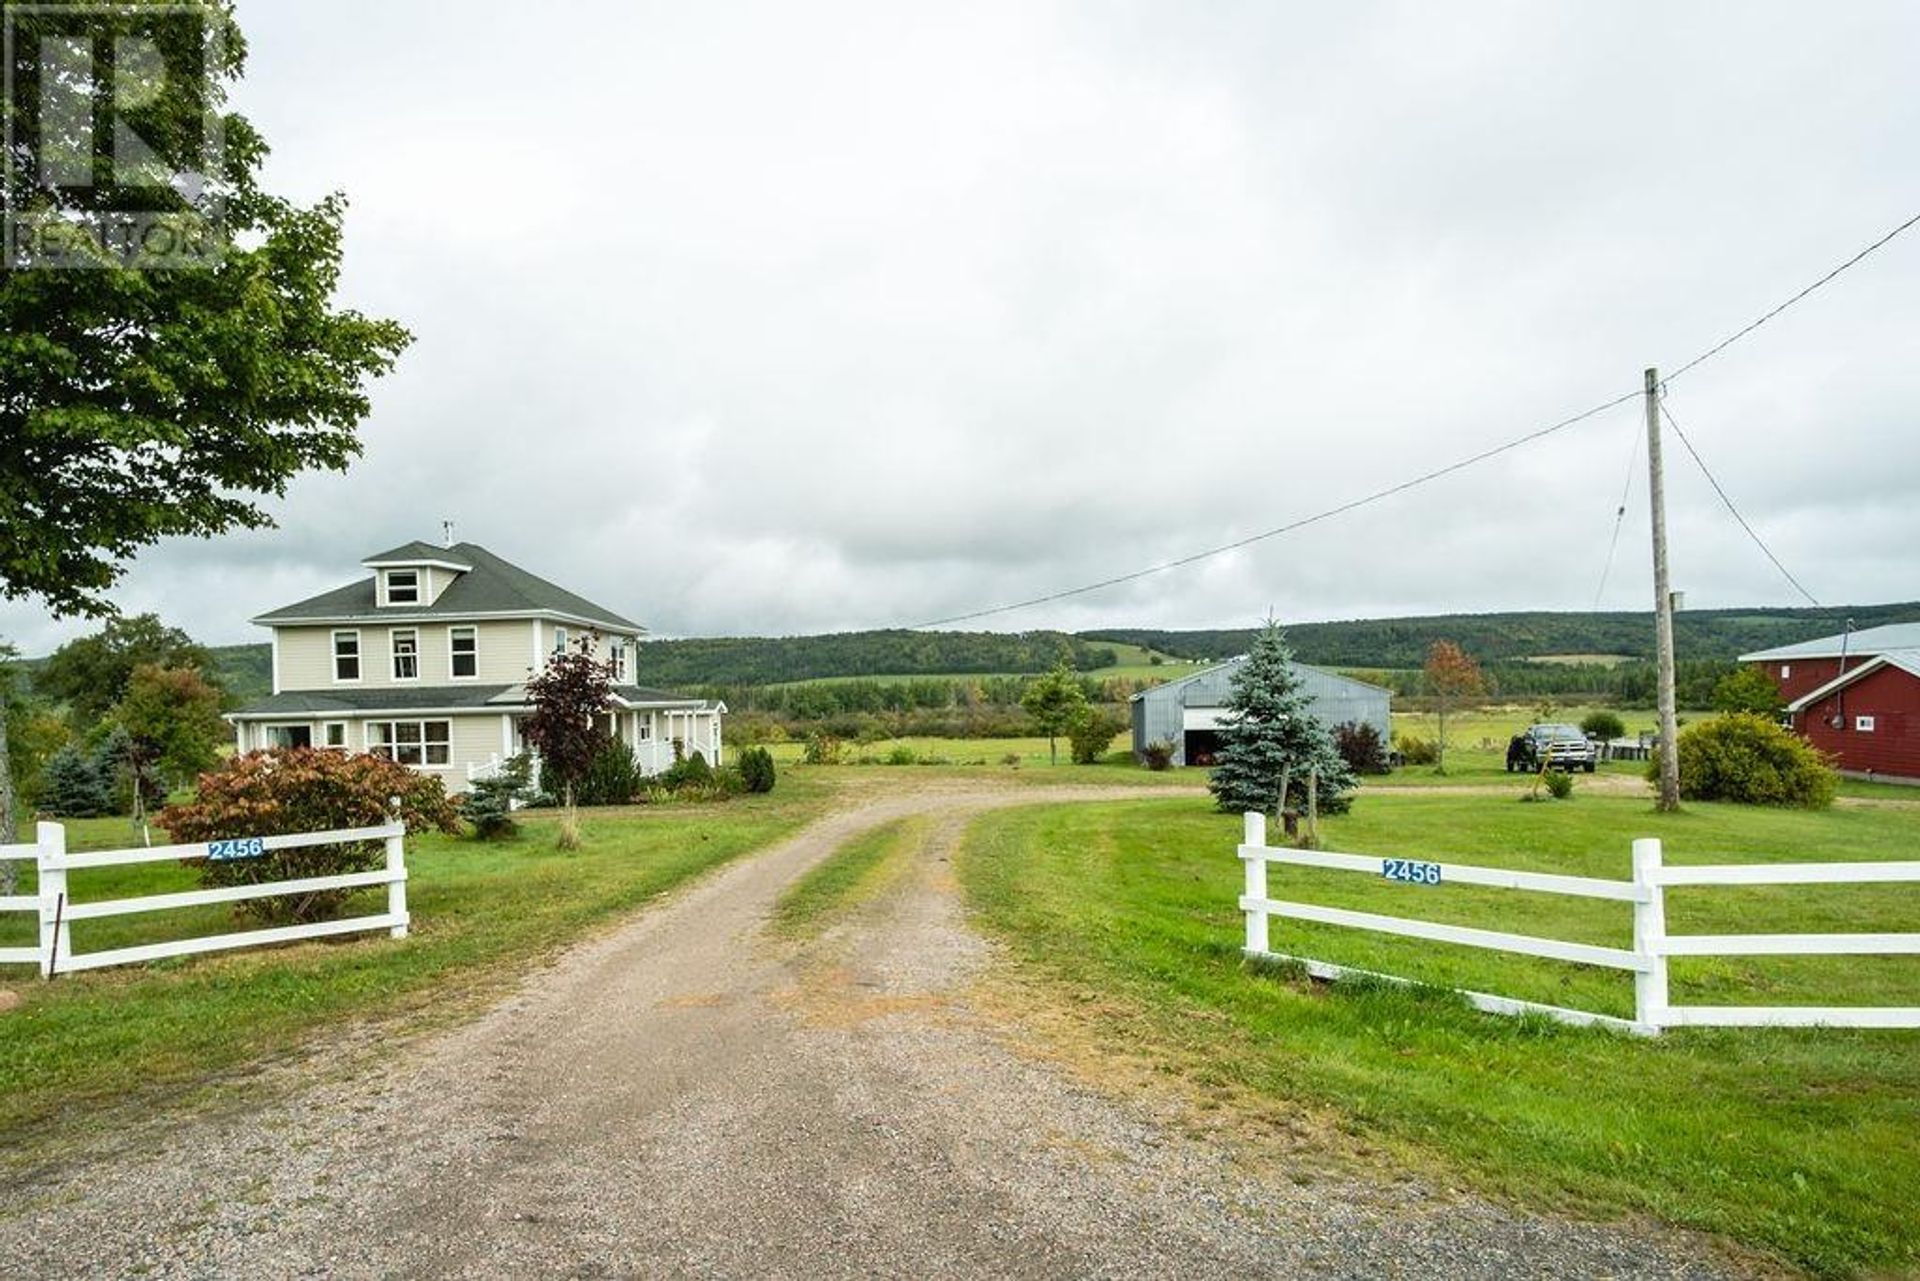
[1187, 712]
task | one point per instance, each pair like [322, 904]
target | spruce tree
[1271, 731]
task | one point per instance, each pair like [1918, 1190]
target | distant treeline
[1492, 638]
[1622, 685]
[759, 660]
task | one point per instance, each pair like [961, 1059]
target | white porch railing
[56, 911]
[1652, 945]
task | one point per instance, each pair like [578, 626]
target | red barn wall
[1806, 674]
[1892, 697]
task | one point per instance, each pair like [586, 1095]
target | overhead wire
[1437, 473]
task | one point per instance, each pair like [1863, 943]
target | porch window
[335, 734]
[644, 728]
[403, 586]
[289, 736]
[427, 743]
[346, 656]
[463, 656]
[559, 640]
[406, 655]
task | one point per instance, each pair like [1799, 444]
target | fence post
[1256, 837]
[397, 887]
[56, 935]
[1649, 935]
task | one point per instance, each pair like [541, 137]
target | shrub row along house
[1855, 696]
[1188, 712]
[425, 662]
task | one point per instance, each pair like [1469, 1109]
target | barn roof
[1168, 687]
[1862, 644]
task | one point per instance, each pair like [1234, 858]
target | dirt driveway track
[683, 1097]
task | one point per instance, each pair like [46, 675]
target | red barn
[1855, 697]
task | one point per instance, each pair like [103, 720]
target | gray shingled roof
[415, 551]
[492, 586]
[412, 698]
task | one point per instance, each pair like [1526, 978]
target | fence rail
[56, 912]
[1646, 960]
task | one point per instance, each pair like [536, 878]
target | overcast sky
[805, 316]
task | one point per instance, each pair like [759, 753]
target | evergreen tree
[1270, 731]
[71, 786]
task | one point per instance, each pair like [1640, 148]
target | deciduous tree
[569, 696]
[173, 717]
[1452, 676]
[142, 404]
[91, 673]
[1054, 702]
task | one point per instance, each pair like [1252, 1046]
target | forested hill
[1719, 634]
[1384, 643]
[753, 660]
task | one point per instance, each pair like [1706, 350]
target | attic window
[403, 586]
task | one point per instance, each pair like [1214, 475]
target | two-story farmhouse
[426, 660]
[1855, 696]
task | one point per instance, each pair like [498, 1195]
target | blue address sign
[1411, 871]
[237, 848]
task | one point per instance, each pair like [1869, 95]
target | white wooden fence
[1652, 945]
[57, 912]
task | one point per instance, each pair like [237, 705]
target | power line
[1619, 519]
[1291, 526]
[1718, 489]
[1382, 494]
[1744, 330]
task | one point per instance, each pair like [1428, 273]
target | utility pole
[1662, 606]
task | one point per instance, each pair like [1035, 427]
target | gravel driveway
[683, 1097]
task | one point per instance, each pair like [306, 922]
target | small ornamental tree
[1748, 689]
[1453, 677]
[756, 769]
[304, 789]
[1054, 702]
[1269, 731]
[173, 717]
[569, 696]
[1360, 746]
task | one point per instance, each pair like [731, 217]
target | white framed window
[346, 656]
[646, 729]
[1864, 724]
[403, 587]
[559, 640]
[463, 652]
[428, 743]
[617, 653]
[334, 734]
[289, 736]
[405, 643]
[1786, 671]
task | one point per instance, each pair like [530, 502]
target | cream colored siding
[475, 740]
[306, 654]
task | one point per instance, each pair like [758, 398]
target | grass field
[481, 914]
[1803, 1143]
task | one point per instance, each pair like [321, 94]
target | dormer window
[403, 587]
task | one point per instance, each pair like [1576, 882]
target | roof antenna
[446, 533]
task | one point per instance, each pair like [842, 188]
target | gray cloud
[767, 318]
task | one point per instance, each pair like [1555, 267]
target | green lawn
[1805, 1143]
[481, 914]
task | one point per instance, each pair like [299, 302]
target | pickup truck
[1553, 747]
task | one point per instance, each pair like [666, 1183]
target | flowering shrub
[303, 789]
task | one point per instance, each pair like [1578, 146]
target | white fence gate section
[1652, 945]
[57, 912]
